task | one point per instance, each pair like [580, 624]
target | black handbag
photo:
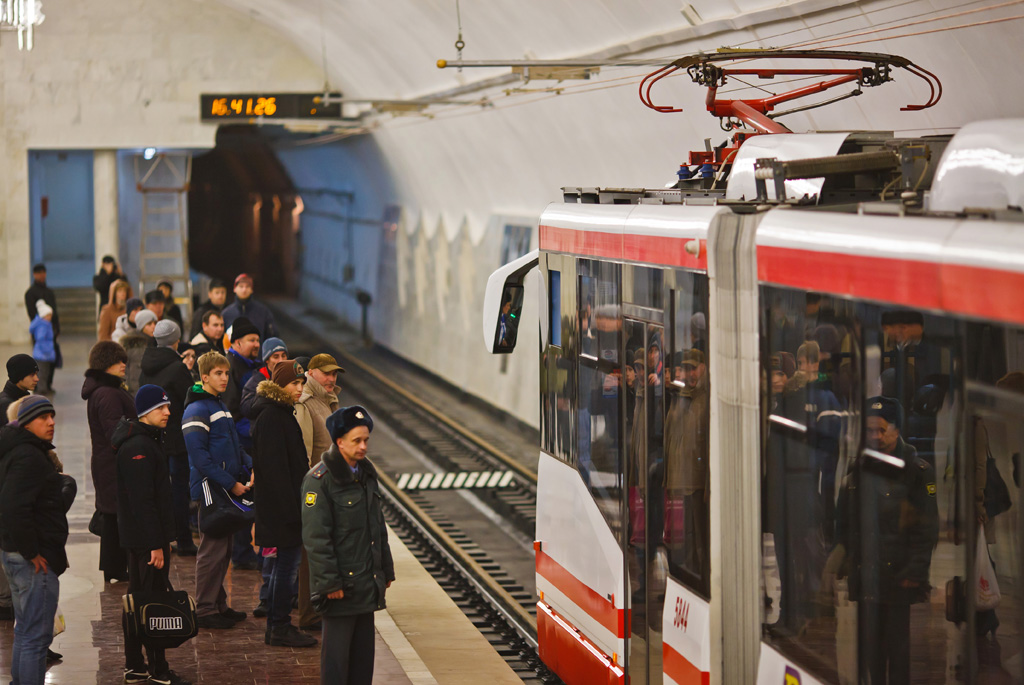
[96, 524]
[161, 620]
[222, 514]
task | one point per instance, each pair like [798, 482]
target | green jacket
[345, 536]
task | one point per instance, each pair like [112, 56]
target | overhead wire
[550, 92]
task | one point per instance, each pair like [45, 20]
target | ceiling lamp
[21, 16]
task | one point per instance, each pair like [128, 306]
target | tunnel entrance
[244, 213]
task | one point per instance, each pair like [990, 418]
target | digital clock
[218, 107]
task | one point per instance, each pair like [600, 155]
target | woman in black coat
[279, 465]
[108, 402]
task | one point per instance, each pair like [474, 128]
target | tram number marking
[792, 676]
[682, 619]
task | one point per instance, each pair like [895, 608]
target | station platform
[422, 638]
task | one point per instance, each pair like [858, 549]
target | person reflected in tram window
[506, 325]
[687, 471]
[783, 366]
[828, 338]
[921, 381]
[889, 546]
[636, 480]
[785, 332]
[699, 332]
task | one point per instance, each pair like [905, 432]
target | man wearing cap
[243, 357]
[318, 401]
[248, 306]
[279, 465]
[22, 378]
[890, 546]
[126, 322]
[145, 520]
[34, 500]
[272, 351]
[346, 539]
[135, 344]
[163, 367]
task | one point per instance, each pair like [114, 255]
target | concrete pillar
[104, 184]
[15, 251]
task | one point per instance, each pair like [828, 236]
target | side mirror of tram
[503, 303]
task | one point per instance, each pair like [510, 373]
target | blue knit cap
[272, 345]
[32, 407]
[148, 398]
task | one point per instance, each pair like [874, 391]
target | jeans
[35, 603]
[282, 585]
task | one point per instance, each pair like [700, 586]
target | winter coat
[173, 312]
[197, 318]
[245, 406]
[144, 509]
[34, 498]
[163, 367]
[311, 411]
[135, 344]
[37, 292]
[201, 344]
[687, 435]
[122, 328]
[345, 537]
[279, 461]
[241, 371]
[43, 349]
[111, 313]
[11, 394]
[255, 311]
[108, 402]
[214, 451]
[890, 532]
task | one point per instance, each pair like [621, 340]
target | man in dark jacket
[40, 291]
[34, 500]
[161, 366]
[210, 337]
[889, 542]
[346, 540]
[109, 273]
[145, 521]
[217, 295]
[171, 309]
[244, 357]
[22, 377]
[279, 464]
[215, 456]
[248, 306]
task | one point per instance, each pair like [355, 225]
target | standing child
[44, 350]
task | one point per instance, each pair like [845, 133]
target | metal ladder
[163, 182]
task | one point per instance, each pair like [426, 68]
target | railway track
[466, 509]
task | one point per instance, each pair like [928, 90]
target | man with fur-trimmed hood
[279, 465]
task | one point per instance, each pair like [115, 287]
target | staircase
[78, 311]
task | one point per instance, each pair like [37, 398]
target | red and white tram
[781, 441]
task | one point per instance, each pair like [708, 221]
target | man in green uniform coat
[346, 540]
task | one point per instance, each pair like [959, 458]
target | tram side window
[859, 417]
[600, 386]
[687, 434]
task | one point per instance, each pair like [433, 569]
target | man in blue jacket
[214, 454]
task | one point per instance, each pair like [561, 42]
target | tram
[780, 418]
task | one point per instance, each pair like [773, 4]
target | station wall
[113, 75]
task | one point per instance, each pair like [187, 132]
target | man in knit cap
[272, 351]
[163, 367]
[22, 378]
[126, 322]
[34, 500]
[318, 401]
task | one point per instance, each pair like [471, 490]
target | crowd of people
[180, 424]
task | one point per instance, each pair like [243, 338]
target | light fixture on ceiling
[21, 16]
[149, 153]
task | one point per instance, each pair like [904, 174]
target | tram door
[643, 416]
